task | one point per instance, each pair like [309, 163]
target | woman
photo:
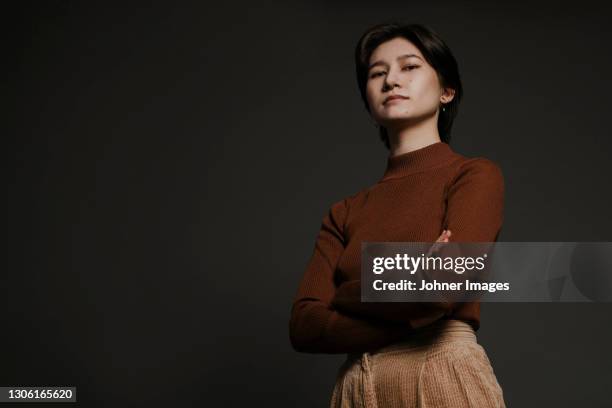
[426, 355]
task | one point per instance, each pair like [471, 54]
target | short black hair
[436, 53]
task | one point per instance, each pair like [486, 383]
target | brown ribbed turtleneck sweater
[420, 194]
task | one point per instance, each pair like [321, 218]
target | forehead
[390, 50]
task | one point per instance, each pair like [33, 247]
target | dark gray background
[170, 164]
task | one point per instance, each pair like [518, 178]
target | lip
[394, 98]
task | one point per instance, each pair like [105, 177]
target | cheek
[426, 90]
[370, 91]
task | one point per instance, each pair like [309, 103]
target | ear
[447, 95]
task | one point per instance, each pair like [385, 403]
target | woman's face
[397, 67]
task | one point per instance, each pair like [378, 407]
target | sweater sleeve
[315, 326]
[475, 202]
[474, 213]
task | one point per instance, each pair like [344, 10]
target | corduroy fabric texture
[439, 366]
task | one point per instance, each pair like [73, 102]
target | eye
[406, 68]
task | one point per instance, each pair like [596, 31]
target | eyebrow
[379, 62]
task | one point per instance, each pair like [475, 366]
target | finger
[442, 236]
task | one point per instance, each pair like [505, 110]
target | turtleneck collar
[427, 157]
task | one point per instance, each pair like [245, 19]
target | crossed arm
[474, 213]
[326, 319]
[315, 326]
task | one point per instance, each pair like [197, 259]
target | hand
[443, 238]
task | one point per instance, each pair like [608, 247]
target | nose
[391, 80]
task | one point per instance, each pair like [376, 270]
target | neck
[429, 157]
[413, 137]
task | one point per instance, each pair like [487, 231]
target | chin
[395, 118]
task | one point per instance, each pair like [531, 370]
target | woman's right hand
[443, 238]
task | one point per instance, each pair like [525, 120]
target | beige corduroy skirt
[441, 365]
